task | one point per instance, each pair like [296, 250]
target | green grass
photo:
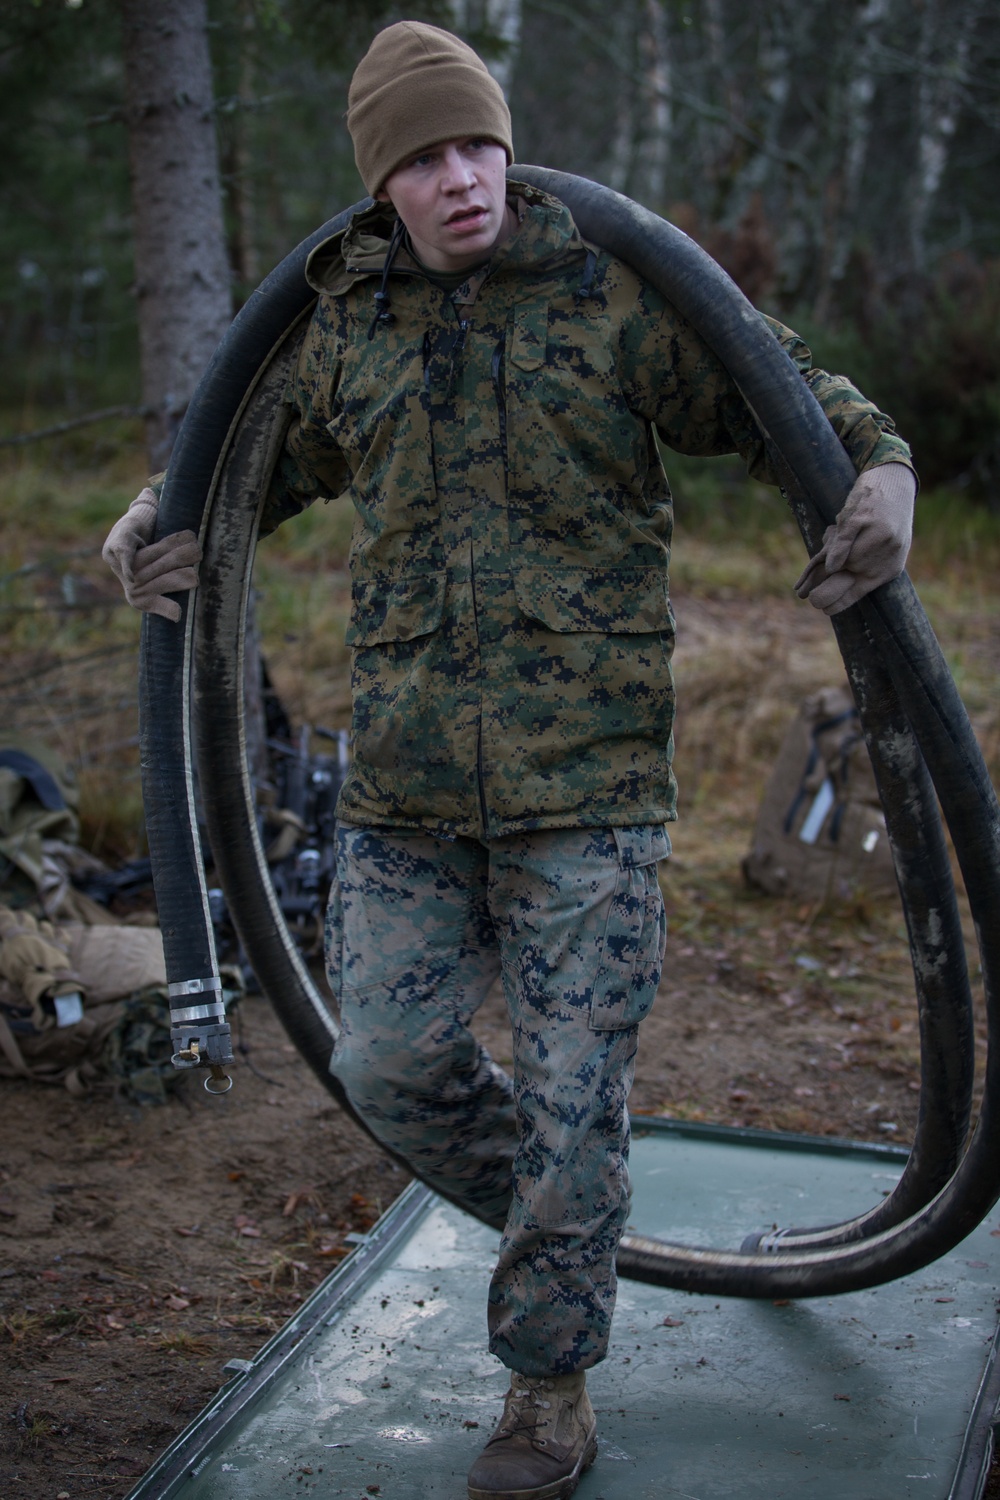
[747, 650]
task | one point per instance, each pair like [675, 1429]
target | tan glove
[868, 543]
[148, 570]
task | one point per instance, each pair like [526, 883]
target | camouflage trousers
[572, 921]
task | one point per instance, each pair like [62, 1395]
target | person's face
[452, 199]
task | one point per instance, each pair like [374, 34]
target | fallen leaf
[176, 1304]
[296, 1199]
[187, 1230]
[841, 1398]
[235, 1176]
[781, 1302]
[944, 1299]
[673, 1322]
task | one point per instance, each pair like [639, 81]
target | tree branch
[17, 439]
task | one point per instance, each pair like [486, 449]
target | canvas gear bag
[82, 994]
[820, 832]
[38, 800]
[62, 994]
[39, 854]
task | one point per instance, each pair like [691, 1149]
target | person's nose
[457, 175]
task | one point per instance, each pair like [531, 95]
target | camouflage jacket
[511, 630]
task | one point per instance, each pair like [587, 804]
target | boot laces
[523, 1410]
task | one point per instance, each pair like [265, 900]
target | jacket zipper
[480, 771]
[456, 350]
[496, 366]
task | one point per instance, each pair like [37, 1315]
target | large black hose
[890, 655]
[199, 1030]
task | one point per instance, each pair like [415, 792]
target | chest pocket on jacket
[529, 337]
[368, 434]
[377, 415]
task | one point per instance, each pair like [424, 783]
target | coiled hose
[915, 726]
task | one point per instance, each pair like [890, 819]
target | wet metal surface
[383, 1387]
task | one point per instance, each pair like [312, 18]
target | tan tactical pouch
[61, 993]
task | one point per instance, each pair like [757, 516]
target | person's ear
[381, 196]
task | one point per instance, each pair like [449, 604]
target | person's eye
[476, 144]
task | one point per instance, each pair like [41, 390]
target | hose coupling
[200, 1034]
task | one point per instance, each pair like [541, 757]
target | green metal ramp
[381, 1386]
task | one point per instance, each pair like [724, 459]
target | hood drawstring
[382, 298]
[586, 287]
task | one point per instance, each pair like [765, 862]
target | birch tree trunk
[496, 18]
[182, 272]
[946, 35]
[857, 96]
[656, 124]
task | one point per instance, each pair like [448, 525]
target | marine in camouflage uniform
[513, 706]
[511, 624]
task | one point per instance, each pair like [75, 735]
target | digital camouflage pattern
[418, 929]
[511, 626]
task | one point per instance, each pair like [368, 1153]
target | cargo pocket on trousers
[635, 936]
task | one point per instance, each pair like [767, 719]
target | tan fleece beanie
[417, 85]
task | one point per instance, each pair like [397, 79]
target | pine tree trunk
[182, 272]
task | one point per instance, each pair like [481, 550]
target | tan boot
[547, 1436]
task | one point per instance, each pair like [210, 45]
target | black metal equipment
[922, 748]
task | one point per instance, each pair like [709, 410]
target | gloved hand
[148, 570]
[867, 544]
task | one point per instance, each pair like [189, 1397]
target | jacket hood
[546, 237]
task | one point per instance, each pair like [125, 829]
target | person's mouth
[467, 218]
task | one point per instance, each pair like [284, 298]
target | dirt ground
[141, 1249]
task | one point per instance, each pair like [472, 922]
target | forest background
[840, 160]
